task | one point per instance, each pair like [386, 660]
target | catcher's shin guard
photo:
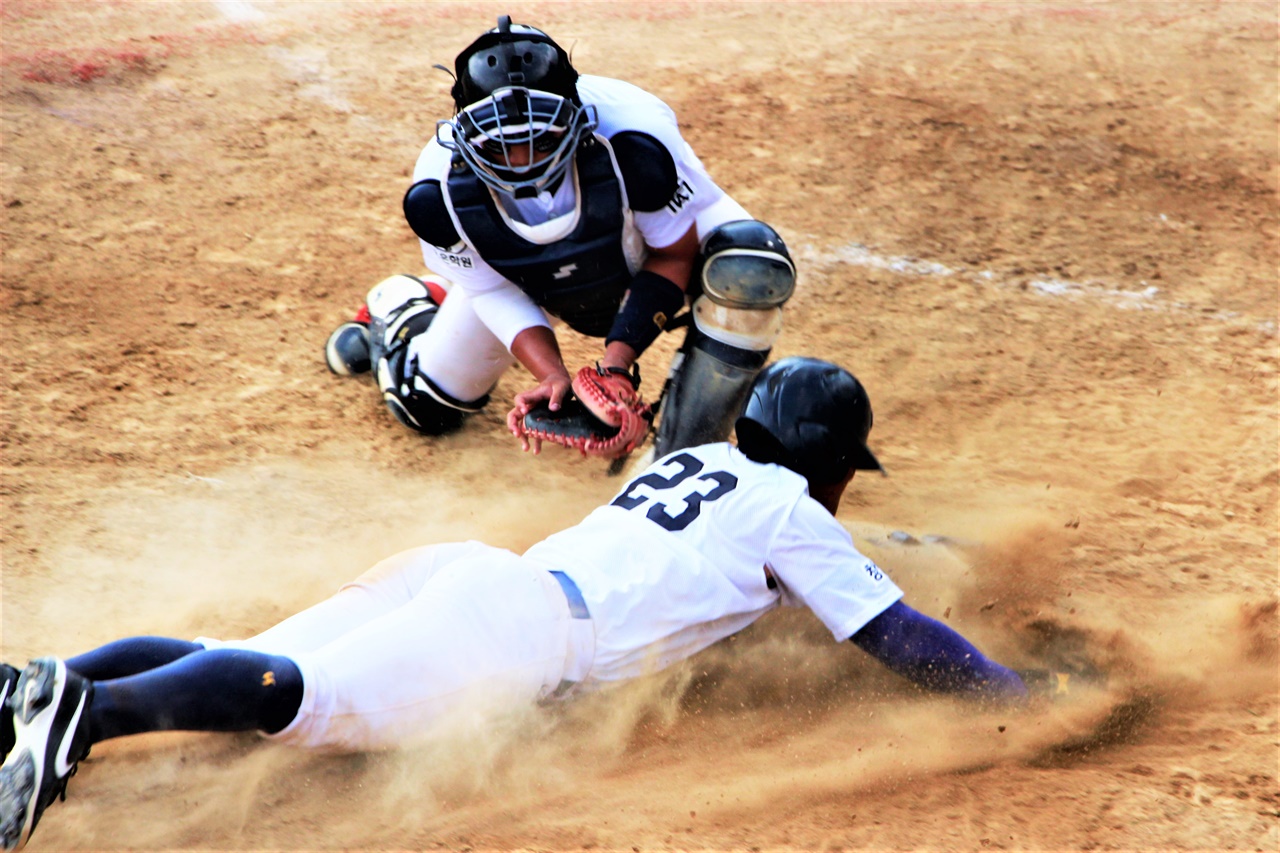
[744, 274]
[399, 307]
[412, 397]
[350, 348]
[723, 351]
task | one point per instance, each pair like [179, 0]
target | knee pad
[416, 401]
[744, 264]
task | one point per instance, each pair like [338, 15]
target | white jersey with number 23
[700, 546]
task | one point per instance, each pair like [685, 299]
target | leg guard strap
[705, 391]
[416, 401]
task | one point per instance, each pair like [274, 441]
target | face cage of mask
[526, 125]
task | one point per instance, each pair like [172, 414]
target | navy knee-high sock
[222, 690]
[130, 656]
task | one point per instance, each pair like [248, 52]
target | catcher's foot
[51, 735]
[347, 350]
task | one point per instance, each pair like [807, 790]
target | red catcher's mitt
[608, 419]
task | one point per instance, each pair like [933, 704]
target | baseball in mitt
[605, 418]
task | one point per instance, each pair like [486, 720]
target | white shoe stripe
[60, 764]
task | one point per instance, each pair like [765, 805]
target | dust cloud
[783, 713]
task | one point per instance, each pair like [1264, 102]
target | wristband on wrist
[648, 304]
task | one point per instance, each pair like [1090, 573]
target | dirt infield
[1043, 235]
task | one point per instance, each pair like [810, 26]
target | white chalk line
[1148, 298]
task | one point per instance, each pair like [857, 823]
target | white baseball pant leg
[389, 584]
[458, 352]
[485, 634]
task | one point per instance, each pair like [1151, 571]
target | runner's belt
[582, 638]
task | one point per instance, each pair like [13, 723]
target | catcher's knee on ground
[402, 308]
[416, 401]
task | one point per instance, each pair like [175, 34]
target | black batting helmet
[808, 415]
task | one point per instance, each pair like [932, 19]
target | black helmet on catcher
[512, 55]
[519, 118]
[810, 416]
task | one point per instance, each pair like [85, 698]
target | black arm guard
[648, 304]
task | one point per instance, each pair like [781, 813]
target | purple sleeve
[934, 656]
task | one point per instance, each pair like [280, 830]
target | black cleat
[8, 681]
[51, 735]
[347, 350]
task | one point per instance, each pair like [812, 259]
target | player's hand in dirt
[1057, 685]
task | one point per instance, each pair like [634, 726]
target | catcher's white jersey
[502, 306]
[697, 548]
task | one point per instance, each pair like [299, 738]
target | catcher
[696, 548]
[551, 196]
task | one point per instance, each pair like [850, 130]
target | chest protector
[579, 278]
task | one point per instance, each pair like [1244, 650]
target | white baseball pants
[434, 636]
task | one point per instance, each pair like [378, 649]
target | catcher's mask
[518, 117]
[810, 416]
[518, 141]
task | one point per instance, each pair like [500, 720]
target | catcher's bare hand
[550, 393]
